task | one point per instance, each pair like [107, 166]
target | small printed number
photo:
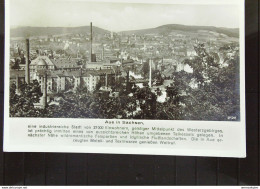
[232, 117]
[98, 127]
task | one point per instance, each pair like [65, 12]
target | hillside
[161, 30]
[167, 29]
[45, 31]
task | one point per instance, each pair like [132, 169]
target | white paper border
[239, 139]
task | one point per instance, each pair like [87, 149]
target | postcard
[125, 77]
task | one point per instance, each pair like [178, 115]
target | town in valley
[171, 72]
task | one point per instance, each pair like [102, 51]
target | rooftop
[66, 62]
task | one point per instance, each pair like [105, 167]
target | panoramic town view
[168, 72]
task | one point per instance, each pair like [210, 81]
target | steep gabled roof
[39, 59]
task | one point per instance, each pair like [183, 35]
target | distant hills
[47, 31]
[161, 30]
[167, 29]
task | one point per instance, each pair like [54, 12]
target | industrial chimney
[91, 59]
[44, 96]
[127, 80]
[106, 80]
[27, 67]
[150, 73]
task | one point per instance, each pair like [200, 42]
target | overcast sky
[119, 16]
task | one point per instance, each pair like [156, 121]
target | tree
[147, 102]
[98, 85]
[81, 90]
[16, 65]
[22, 103]
[156, 75]
[217, 94]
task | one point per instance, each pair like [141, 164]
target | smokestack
[27, 68]
[150, 73]
[106, 81]
[94, 58]
[80, 72]
[127, 80]
[19, 50]
[44, 96]
[91, 41]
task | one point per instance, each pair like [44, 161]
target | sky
[119, 16]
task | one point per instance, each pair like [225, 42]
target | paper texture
[139, 77]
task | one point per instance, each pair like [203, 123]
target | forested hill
[47, 31]
[161, 30]
[167, 29]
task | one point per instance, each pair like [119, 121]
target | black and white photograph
[130, 92]
[122, 60]
[163, 77]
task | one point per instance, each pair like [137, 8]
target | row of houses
[65, 74]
